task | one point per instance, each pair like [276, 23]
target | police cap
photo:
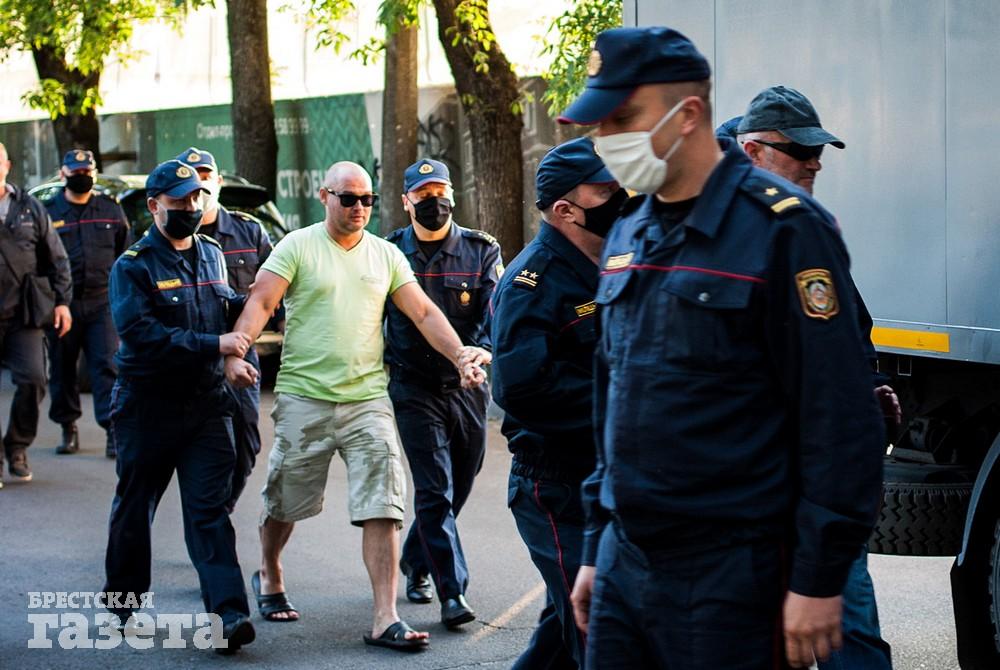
[727, 131]
[79, 159]
[567, 166]
[425, 171]
[173, 178]
[198, 158]
[790, 113]
[624, 58]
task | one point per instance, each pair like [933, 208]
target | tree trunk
[490, 101]
[255, 144]
[73, 130]
[399, 124]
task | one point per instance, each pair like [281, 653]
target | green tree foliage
[568, 42]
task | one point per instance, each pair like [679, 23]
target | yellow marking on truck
[922, 340]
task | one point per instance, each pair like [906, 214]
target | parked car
[237, 194]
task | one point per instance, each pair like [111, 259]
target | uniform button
[607, 291]
[241, 261]
[174, 298]
[704, 297]
[107, 225]
[465, 285]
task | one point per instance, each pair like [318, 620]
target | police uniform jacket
[733, 394]
[169, 315]
[31, 243]
[459, 279]
[545, 328]
[93, 236]
[245, 245]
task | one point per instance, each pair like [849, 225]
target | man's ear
[752, 150]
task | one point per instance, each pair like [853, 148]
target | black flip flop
[394, 637]
[272, 603]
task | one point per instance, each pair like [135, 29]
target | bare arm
[265, 295]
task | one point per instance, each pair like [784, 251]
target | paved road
[53, 534]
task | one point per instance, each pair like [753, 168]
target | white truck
[913, 88]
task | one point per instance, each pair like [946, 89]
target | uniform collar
[224, 223]
[159, 242]
[61, 204]
[708, 213]
[581, 264]
[410, 244]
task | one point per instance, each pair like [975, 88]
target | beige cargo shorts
[308, 432]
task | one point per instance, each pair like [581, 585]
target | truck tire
[923, 513]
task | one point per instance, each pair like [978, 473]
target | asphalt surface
[53, 534]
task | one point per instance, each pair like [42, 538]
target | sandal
[394, 637]
[272, 603]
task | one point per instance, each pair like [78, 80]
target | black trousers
[93, 333]
[246, 430]
[157, 433]
[444, 437]
[22, 351]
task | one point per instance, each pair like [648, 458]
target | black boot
[70, 439]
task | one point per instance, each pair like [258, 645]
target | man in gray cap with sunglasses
[781, 133]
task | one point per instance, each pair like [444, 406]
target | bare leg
[380, 549]
[273, 538]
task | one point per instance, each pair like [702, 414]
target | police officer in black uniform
[30, 255]
[245, 246]
[442, 426]
[739, 463]
[171, 411]
[94, 231]
[545, 328]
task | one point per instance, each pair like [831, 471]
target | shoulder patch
[817, 294]
[211, 240]
[135, 249]
[771, 193]
[486, 237]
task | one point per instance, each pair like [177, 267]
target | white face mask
[630, 157]
[209, 201]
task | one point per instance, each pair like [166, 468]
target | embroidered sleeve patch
[817, 293]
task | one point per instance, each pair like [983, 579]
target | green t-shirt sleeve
[284, 259]
[402, 273]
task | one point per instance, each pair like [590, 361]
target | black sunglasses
[799, 152]
[351, 199]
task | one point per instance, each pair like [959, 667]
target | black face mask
[80, 183]
[181, 223]
[432, 213]
[598, 220]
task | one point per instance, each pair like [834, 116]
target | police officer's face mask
[432, 213]
[80, 182]
[598, 220]
[209, 199]
[631, 159]
[181, 223]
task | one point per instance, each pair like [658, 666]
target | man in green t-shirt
[331, 390]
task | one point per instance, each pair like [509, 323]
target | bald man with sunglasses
[331, 391]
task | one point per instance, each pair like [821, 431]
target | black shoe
[70, 439]
[110, 450]
[418, 587]
[237, 633]
[18, 466]
[455, 612]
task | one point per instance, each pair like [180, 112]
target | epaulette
[632, 204]
[479, 234]
[135, 249]
[532, 272]
[772, 193]
[211, 240]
